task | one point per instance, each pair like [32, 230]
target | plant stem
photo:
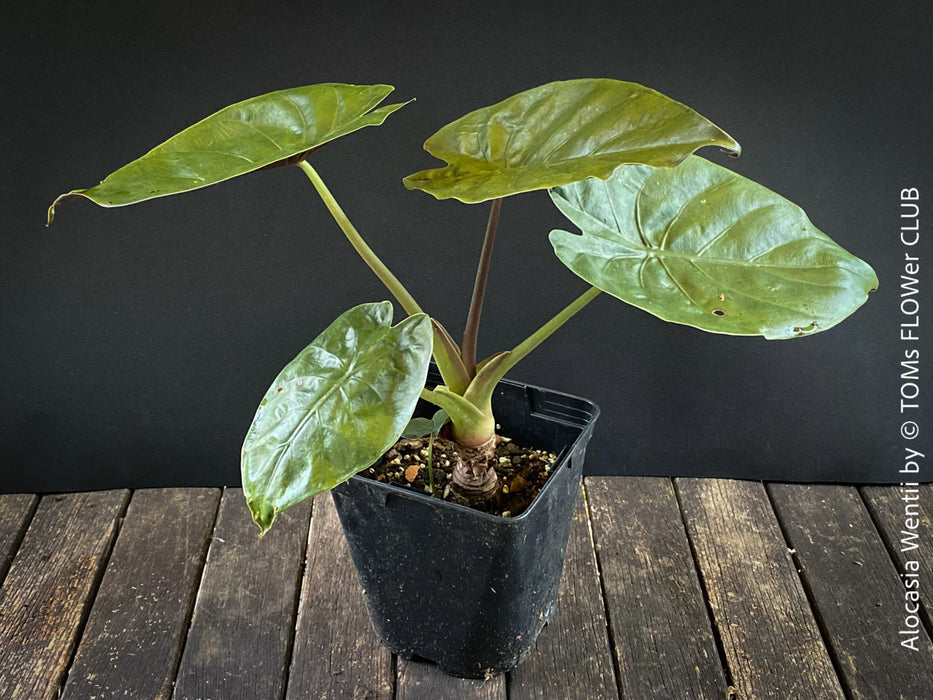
[431, 462]
[356, 240]
[543, 333]
[471, 331]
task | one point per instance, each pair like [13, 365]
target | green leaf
[561, 133]
[335, 408]
[700, 245]
[438, 420]
[419, 427]
[460, 410]
[276, 128]
[479, 393]
[449, 360]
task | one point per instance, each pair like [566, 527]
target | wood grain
[769, 635]
[137, 626]
[572, 658]
[420, 679]
[244, 617]
[15, 513]
[660, 627]
[855, 590]
[336, 652]
[679, 579]
[893, 509]
[48, 590]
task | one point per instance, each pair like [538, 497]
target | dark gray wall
[136, 342]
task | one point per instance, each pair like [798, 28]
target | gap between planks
[242, 626]
[770, 637]
[855, 590]
[47, 593]
[141, 612]
[660, 627]
[16, 512]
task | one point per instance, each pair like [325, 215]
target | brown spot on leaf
[800, 330]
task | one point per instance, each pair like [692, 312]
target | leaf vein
[728, 228]
[667, 229]
[744, 293]
[677, 283]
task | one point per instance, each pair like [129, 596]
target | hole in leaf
[719, 312]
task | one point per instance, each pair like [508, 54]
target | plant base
[468, 590]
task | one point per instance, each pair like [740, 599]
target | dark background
[136, 342]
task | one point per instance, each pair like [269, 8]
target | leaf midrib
[468, 169]
[314, 408]
[641, 252]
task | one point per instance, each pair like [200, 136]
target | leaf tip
[733, 150]
[410, 182]
[67, 197]
[263, 515]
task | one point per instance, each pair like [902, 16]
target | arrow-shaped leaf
[241, 138]
[335, 408]
[420, 427]
[560, 133]
[700, 245]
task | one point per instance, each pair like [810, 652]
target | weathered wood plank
[244, 617]
[15, 512]
[135, 630]
[769, 635]
[660, 626]
[47, 592]
[419, 679]
[856, 590]
[904, 516]
[572, 658]
[336, 652]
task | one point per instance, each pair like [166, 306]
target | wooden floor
[686, 588]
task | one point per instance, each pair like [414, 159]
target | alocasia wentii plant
[660, 228]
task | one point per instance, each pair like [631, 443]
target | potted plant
[661, 228]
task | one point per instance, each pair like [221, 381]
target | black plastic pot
[468, 590]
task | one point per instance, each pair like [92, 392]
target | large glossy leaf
[241, 138]
[560, 133]
[335, 408]
[700, 245]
